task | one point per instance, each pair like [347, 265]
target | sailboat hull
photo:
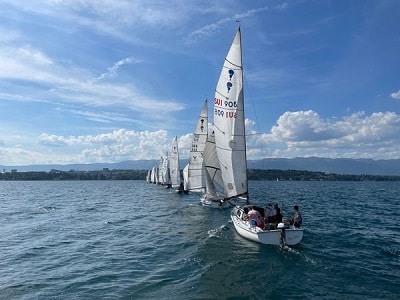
[214, 202]
[220, 201]
[287, 236]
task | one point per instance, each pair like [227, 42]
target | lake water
[133, 240]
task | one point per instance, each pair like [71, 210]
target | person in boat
[255, 218]
[272, 213]
[181, 188]
[297, 219]
[277, 219]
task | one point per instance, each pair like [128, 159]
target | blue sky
[108, 81]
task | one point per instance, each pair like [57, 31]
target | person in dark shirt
[297, 219]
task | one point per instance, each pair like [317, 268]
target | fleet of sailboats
[217, 167]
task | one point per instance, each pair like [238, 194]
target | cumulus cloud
[14, 156]
[300, 133]
[113, 146]
[305, 133]
[395, 95]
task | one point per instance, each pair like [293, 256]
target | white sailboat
[148, 176]
[174, 170]
[193, 173]
[213, 195]
[283, 234]
[163, 173]
[153, 175]
[230, 143]
[227, 165]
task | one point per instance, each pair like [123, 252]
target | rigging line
[258, 130]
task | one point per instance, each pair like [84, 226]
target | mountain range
[316, 164]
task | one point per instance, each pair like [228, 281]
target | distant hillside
[131, 164]
[328, 165]
[315, 164]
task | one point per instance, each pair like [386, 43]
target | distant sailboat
[174, 170]
[227, 163]
[163, 171]
[193, 173]
[154, 175]
[148, 176]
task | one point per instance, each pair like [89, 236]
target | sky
[88, 81]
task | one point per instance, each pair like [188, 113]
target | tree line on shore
[253, 174]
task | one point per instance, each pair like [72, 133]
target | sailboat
[174, 170]
[230, 143]
[193, 173]
[154, 175]
[163, 171]
[148, 176]
[212, 196]
[225, 161]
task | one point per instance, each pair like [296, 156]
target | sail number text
[221, 112]
[226, 103]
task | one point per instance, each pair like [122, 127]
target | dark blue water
[132, 240]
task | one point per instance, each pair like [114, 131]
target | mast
[244, 116]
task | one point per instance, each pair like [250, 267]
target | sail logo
[229, 83]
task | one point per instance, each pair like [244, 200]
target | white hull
[288, 236]
[218, 201]
[215, 202]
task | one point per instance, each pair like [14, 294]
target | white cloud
[113, 70]
[212, 28]
[117, 145]
[26, 63]
[301, 133]
[395, 95]
[305, 133]
[75, 85]
[14, 156]
[99, 116]
[110, 17]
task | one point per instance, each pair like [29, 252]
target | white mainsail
[229, 123]
[148, 176]
[174, 170]
[156, 176]
[214, 182]
[194, 173]
[163, 175]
